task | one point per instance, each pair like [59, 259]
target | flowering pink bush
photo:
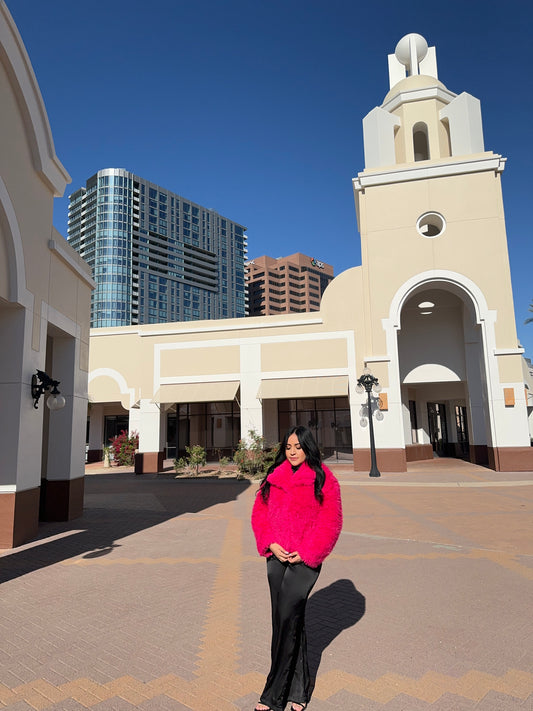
[124, 446]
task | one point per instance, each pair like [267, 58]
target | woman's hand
[280, 552]
[294, 557]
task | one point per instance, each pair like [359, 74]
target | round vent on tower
[431, 225]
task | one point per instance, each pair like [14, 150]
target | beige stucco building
[424, 312]
[45, 292]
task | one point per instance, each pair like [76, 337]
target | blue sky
[254, 108]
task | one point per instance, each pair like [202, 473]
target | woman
[296, 518]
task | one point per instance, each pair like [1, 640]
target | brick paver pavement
[156, 599]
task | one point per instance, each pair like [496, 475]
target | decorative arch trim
[444, 277]
[129, 393]
[15, 252]
[17, 63]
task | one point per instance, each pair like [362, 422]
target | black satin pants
[288, 679]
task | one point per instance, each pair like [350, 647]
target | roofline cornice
[421, 94]
[423, 171]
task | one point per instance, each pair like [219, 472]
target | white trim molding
[490, 162]
[56, 318]
[15, 251]
[433, 277]
[441, 93]
[240, 326]
[8, 489]
[146, 331]
[508, 351]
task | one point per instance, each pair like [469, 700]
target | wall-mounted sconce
[41, 383]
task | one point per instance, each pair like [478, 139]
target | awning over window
[197, 392]
[327, 386]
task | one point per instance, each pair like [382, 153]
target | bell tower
[420, 119]
[439, 318]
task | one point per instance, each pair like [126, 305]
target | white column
[66, 440]
[20, 423]
[96, 427]
[406, 416]
[135, 420]
[466, 126]
[149, 426]
[251, 409]
[478, 429]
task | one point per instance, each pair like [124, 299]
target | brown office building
[284, 285]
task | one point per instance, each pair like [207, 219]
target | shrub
[251, 457]
[195, 459]
[124, 446]
[180, 465]
[222, 464]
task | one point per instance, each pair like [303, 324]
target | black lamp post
[368, 382]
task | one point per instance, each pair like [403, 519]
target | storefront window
[327, 418]
[113, 426]
[214, 425]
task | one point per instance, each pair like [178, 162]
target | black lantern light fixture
[42, 383]
[369, 383]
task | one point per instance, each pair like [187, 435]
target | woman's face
[294, 452]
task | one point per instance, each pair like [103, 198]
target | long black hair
[313, 459]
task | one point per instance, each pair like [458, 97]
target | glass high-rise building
[156, 256]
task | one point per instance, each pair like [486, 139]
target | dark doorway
[438, 431]
[461, 424]
[113, 426]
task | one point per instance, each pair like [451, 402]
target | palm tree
[530, 319]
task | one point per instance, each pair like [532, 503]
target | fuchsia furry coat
[294, 518]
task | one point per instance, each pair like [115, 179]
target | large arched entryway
[442, 375]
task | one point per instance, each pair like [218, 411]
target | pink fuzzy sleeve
[260, 526]
[324, 534]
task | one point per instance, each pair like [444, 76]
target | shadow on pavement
[330, 611]
[116, 506]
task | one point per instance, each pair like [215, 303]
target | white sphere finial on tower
[410, 51]
[411, 58]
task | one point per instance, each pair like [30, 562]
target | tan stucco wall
[510, 368]
[322, 354]
[66, 291]
[224, 359]
[474, 243]
[213, 347]
[48, 278]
